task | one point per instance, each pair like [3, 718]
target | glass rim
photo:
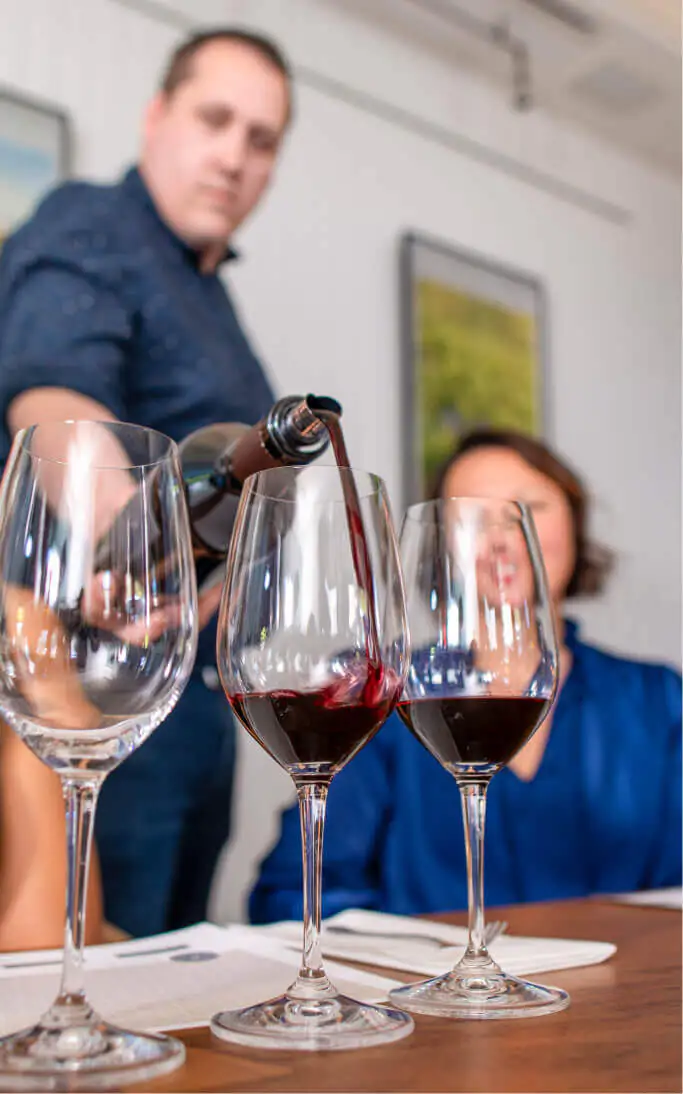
[21, 438]
[375, 483]
[419, 508]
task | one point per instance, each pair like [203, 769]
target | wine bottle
[216, 460]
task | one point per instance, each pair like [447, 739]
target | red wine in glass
[319, 730]
[466, 731]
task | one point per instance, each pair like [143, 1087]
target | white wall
[318, 284]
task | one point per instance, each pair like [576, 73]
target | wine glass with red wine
[312, 654]
[482, 678]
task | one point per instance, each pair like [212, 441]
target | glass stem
[312, 981]
[473, 798]
[80, 797]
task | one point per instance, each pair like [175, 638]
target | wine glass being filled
[312, 652]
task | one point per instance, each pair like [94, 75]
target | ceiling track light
[497, 35]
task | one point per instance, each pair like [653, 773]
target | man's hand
[39, 649]
[101, 607]
[209, 602]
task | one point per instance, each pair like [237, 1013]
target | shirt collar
[134, 184]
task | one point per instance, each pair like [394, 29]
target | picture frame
[474, 353]
[35, 155]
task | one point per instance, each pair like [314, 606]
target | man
[111, 307]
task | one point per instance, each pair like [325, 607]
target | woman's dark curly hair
[593, 562]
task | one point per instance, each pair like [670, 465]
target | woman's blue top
[601, 815]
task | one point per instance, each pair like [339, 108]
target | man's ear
[153, 112]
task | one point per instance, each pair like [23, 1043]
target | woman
[33, 854]
[32, 822]
[591, 804]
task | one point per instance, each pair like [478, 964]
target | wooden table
[622, 1031]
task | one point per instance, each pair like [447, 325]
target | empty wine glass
[312, 652]
[482, 677]
[97, 639]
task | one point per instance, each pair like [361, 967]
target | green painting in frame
[473, 337]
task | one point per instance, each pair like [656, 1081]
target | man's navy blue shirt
[98, 295]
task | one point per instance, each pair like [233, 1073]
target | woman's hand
[33, 854]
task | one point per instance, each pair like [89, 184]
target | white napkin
[654, 898]
[384, 940]
[171, 981]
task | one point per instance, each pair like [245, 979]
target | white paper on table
[171, 981]
[654, 898]
[372, 943]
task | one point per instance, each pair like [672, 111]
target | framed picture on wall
[34, 156]
[473, 347]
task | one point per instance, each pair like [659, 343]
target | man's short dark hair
[179, 67]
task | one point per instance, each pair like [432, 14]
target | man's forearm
[100, 448]
[56, 404]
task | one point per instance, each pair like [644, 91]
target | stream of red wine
[359, 545]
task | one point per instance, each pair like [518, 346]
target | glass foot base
[312, 1025]
[91, 1056]
[461, 994]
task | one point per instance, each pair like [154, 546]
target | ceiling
[613, 66]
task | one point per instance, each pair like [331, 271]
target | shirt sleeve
[667, 854]
[64, 326]
[357, 814]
